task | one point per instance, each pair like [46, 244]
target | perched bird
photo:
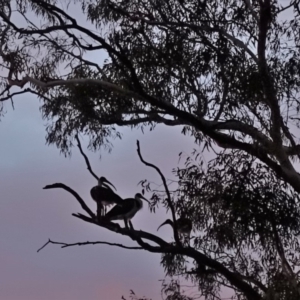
[184, 226]
[127, 210]
[104, 195]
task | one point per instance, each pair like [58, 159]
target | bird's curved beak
[164, 223]
[108, 182]
[145, 199]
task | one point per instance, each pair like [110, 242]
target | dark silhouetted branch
[71, 191]
[169, 200]
[65, 245]
[133, 234]
[85, 158]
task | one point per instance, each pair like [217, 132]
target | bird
[127, 210]
[184, 226]
[104, 196]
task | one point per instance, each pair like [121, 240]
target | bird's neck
[139, 203]
[102, 185]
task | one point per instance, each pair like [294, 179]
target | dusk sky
[30, 215]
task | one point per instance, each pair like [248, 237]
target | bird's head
[168, 221]
[139, 196]
[104, 182]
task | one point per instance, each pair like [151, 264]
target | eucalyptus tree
[226, 73]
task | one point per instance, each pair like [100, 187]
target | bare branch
[71, 191]
[287, 7]
[27, 90]
[65, 245]
[85, 158]
[133, 234]
[166, 189]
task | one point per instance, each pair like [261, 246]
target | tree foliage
[226, 72]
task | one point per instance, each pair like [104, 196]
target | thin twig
[169, 200]
[85, 158]
[71, 191]
[65, 245]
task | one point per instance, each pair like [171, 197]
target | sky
[29, 215]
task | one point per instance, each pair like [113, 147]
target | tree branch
[169, 200]
[163, 247]
[133, 234]
[65, 245]
[234, 40]
[256, 282]
[85, 158]
[71, 191]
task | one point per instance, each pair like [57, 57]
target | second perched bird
[184, 226]
[127, 210]
[104, 195]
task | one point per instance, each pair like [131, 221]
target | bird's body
[184, 226]
[126, 210]
[104, 196]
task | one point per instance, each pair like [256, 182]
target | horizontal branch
[133, 234]
[65, 245]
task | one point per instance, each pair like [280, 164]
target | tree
[227, 73]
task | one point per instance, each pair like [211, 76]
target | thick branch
[207, 127]
[71, 191]
[292, 151]
[256, 282]
[133, 234]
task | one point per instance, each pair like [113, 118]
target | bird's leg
[99, 211]
[130, 224]
[126, 224]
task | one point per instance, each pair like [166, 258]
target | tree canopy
[227, 73]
